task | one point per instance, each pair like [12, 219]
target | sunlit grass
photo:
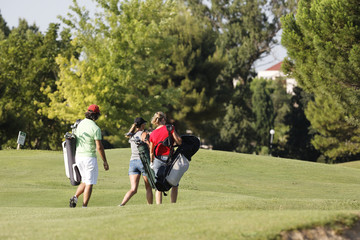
[223, 195]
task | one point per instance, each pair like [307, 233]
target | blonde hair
[131, 131]
[157, 118]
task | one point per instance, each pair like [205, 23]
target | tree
[4, 29]
[263, 109]
[137, 58]
[236, 129]
[337, 139]
[122, 50]
[195, 66]
[323, 46]
[246, 31]
[281, 101]
[27, 69]
[299, 144]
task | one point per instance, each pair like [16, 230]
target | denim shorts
[136, 167]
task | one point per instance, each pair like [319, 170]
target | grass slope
[222, 196]
[354, 164]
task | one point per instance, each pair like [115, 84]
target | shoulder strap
[169, 128]
[169, 140]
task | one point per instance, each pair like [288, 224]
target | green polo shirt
[86, 133]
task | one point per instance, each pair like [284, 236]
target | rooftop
[276, 67]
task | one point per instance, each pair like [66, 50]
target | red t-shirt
[159, 135]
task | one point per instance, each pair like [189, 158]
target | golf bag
[190, 145]
[69, 149]
[169, 176]
[145, 159]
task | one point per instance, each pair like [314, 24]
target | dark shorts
[136, 167]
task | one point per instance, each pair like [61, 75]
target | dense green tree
[241, 130]
[323, 44]
[236, 129]
[27, 69]
[4, 29]
[270, 105]
[134, 58]
[299, 144]
[263, 108]
[123, 48]
[139, 57]
[281, 101]
[337, 139]
[194, 68]
[246, 31]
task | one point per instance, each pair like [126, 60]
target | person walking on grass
[136, 168]
[162, 152]
[88, 141]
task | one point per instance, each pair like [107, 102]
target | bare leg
[158, 196]
[80, 189]
[134, 181]
[87, 194]
[149, 193]
[174, 194]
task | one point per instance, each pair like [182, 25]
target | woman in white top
[136, 168]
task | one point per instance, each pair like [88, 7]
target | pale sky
[40, 12]
[44, 12]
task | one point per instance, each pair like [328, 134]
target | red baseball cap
[94, 108]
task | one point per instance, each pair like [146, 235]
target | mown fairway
[222, 196]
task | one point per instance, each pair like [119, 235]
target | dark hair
[92, 115]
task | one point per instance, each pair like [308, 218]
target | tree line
[134, 58]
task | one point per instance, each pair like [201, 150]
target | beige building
[275, 72]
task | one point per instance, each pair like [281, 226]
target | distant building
[275, 72]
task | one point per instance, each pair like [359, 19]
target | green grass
[222, 196]
[355, 164]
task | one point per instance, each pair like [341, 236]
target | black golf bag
[69, 149]
[169, 176]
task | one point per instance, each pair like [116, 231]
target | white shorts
[88, 168]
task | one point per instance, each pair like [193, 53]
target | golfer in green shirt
[88, 141]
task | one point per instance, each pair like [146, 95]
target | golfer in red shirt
[162, 152]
